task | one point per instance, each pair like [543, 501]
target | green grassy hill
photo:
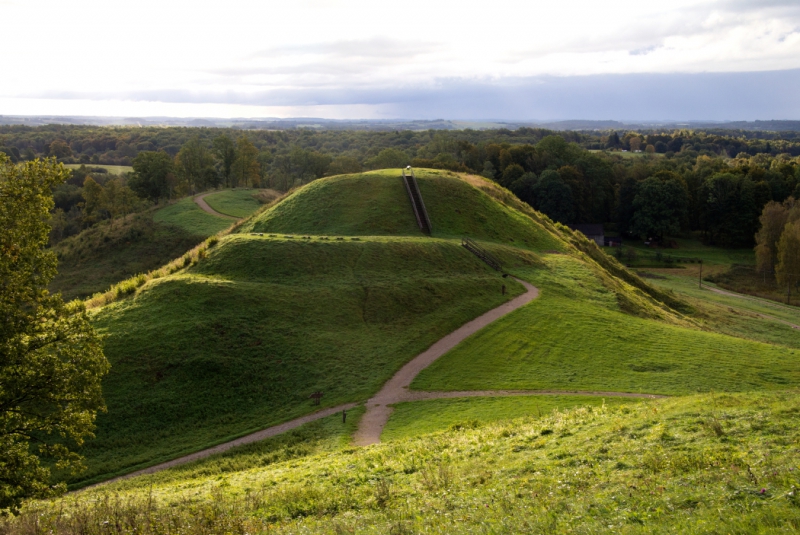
[334, 288]
[716, 463]
[238, 341]
[376, 204]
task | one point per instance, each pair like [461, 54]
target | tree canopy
[51, 360]
[152, 174]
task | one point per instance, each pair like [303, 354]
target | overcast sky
[415, 59]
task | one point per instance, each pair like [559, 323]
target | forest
[645, 184]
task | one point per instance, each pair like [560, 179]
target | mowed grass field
[234, 202]
[715, 463]
[112, 169]
[745, 316]
[574, 337]
[239, 341]
[689, 248]
[411, 419]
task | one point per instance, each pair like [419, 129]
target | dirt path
[247, 439]
[757, 300]
[395, 389]
[201, 202]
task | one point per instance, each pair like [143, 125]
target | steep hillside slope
[110, 252]
[240, 340]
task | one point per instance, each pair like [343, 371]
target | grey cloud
[674, 97]
[646, 36]
[758, 5]
[643, 51]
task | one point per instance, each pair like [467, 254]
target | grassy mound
[376, 204]
[239, 340]
[699, 464]
[107, 253]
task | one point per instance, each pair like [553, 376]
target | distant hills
[395, 124]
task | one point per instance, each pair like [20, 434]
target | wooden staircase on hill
[417, 204]
[471, 246]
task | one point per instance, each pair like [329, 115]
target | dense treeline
[650, 184]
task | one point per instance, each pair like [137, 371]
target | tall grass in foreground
[712, 463]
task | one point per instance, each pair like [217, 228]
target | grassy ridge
[110, 252]
[700, 464]
[235, 203]
[103, 255]
[238, 338]
[574, 337]
[238, 341]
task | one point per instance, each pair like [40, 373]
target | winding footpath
[200, 200]
[395, 390]
[379, 407]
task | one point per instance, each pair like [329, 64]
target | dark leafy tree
[60, 149]
[342, 165]
[225, 151]
[659, 207]
[195, 165]
[387, 159]
[152, 175]
[729, 213]
[511, 173]
[553, 197]
[523, 187]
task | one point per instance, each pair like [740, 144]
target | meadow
[111, 251]
[334, 288]
[574, 337]
[412, 419]
[112, 169]
[105, 254]
[186, 215]
[715, 463]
